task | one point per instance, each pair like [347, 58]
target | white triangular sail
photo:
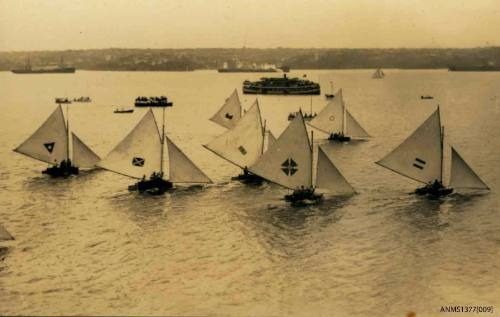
[353, 128]
[50, 142]
[462, 175]
[182, 169]
[419, 157]
[139, 153]
[329, 177]
[5, 235]
[83, 156]
[229, 113]
[331, 118]
[288, 162]
[378, 74]
[242, 144]
[270, 140]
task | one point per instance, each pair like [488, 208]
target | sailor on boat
[421, 158]
[51, 144]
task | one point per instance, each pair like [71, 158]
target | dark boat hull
[156, 186]
[57, 171]
[339, 138]
[248, 178]
[303, 197]
[433, 192]
[282, 91]
[141, 104]
[246, 70]
[64, 70]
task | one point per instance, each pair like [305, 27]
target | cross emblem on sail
[289, 167]
[138, 161]
[49, 146]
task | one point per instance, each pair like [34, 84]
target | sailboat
[5, 235]
[289, 163]
[229, 113]
[378, 74]
[141, 154]
[338, 122]
[51, 144]
[420, 157]
[243, 143]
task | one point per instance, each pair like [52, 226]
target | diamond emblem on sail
[289, 167]
[138, 161]
[419, 163]
[49, 146]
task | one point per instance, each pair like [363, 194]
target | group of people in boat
[162, 100]
[307, 116]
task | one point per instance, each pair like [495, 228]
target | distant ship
[247, 70]
[482, 68]
[281, 86]
[28, 69]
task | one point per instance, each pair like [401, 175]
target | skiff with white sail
[421, 158]
[51, 143]
[244, 141]
[140, 155]
[338, 122]
[289, 162]
[378, 74]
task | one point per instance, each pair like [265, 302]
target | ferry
[281, 86]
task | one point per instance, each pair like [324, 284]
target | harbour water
[85, 245]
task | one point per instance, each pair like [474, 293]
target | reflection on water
[86, 245]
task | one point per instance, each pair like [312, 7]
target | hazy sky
[78, 24]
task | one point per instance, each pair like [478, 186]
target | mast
[67, 132]
[311, 106]
[343, 118]
[331, 87]
[442, 144]
[264, 136]
[312, 158]
[162, 141]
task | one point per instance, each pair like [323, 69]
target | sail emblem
[49, 146]
[419, 163]
[242, 150]
[138, 161]
[229, 116]
[332, 118]
[289, 167]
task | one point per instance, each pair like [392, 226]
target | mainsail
[331, 118]
[242, 144]
[270, 140]
[83, 156]
[182, 169]
[5, 235]
[139, 153]
[288, 162]
[229, 113]
[50, 142]
[329, 177]
[462, 175]
[419, 157]
[353, 128]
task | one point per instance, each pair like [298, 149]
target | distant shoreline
[212, 58]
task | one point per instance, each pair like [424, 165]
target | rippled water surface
[85, 245]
